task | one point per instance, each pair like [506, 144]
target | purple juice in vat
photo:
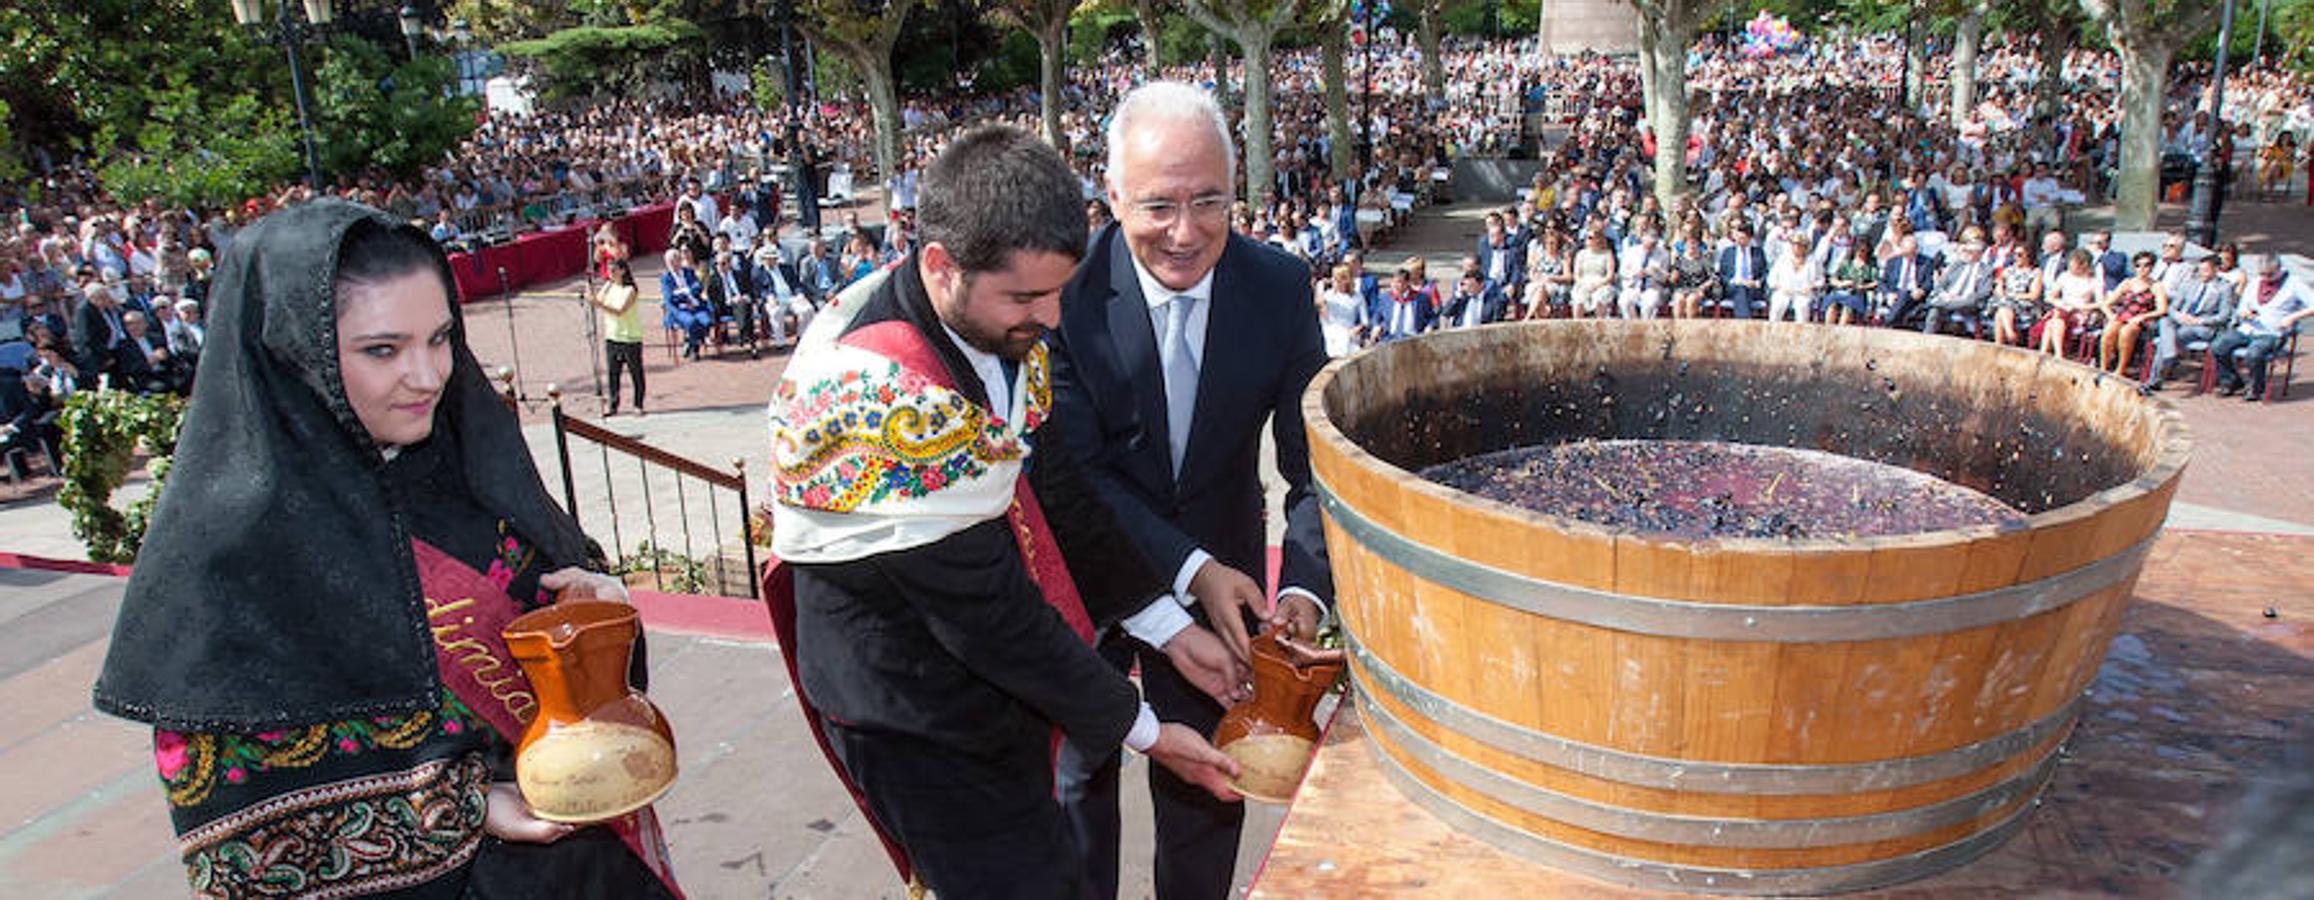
[1709, 489]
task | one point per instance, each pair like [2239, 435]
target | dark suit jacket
[952, 641]
[720, 297]
[1491, 304]
[1425, 304]
[1261, 346]
[1893, 284]
[1757, 270]
[92, 339]
[821, 278]
[1514, 269]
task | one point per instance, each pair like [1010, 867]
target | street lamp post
[2201, 221]
[807, 203]
[290, 33]
[413, 25]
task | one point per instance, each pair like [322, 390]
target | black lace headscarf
[276, 585]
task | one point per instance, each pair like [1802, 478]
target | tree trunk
[1915, 61]
[1647, 40]
[1052, 45]
[1666, 59]
[1259, 168]
[2056, 42]
[876, 73]
[1333, 50]
[1426, 30]
[1145, 12]
[1220, 56]
[2137, 188]
[1965, 42]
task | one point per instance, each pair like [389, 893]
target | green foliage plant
[102, 430]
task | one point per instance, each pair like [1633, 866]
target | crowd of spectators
[1819, 194]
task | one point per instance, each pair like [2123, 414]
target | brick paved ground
[756, 814]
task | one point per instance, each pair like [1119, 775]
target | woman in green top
[622, 330]
[1852, 285]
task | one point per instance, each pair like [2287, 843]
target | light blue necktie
[1180, 376]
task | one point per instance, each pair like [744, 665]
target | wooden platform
[2201, 692]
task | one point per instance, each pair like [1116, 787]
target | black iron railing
[658, 481]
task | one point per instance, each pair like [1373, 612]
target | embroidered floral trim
[859, 439]
[510, 559]
[191, 765]
[363, 836]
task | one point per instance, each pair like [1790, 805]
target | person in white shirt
[739, 227]
[1641, 273]
[1794, 281]
[2041, 194]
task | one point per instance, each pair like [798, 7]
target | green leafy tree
[1666, 28]
[1254, 26]
[11, 153]
[608, 60]
[863, 33]
[86, 75]
[1329, 22]
[1048, 22]
[1429, 23]
[203, 149]
[2147, 34]
[372, 111]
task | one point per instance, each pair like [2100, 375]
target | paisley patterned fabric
[345, 838]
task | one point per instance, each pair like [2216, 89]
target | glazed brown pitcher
[1273, 735]
[597, 749]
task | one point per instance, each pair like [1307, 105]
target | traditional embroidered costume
[310, 738]
[938, 637]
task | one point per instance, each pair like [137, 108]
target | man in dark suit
[97, 332]
[731, 292]
[1743, 269]
[1904, 284]
[1474, 302]
[1502, 257]
[1173, 320]
[942, 623]
[2111, 264]
[821, 273]
[1406, 309]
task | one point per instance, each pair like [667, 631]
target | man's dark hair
[998, 190]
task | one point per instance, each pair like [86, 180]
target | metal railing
[724, 570]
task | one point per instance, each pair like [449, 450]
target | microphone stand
[513, 348]
[594, 339]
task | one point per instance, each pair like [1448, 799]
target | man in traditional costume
[949, 568]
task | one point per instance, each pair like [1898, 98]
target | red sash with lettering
[467, 615]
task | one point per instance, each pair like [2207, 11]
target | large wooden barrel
[1738, 715]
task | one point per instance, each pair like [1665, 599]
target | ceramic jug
[1273, 735]
[597, 749]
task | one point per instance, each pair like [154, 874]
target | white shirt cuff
[1157, 623]
[1325, 613]
[1197, 560]
[1143, 734]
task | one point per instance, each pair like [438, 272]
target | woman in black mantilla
[275, 631]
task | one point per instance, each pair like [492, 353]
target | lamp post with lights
[289, 33]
